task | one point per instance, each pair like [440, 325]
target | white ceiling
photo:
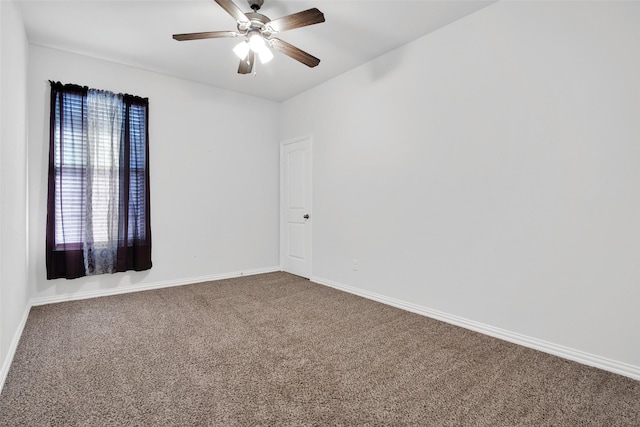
[138, 33]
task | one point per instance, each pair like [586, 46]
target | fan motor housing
[257, 21]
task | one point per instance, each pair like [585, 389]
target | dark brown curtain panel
[98, 215]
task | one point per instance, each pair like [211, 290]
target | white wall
[13, 181]
[490, 171]
[214, 169]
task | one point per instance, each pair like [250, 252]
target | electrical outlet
[355, 264]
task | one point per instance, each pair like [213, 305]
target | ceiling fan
[258, 32]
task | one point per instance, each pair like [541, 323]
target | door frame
[283, 213]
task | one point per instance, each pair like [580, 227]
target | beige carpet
[276, 349]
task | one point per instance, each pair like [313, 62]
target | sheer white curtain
[104, 138]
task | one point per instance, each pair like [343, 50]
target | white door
[295, 212]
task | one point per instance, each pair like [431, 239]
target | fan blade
[246, 65]
[297, 20]
[233, 10]
[295, 53]
[205, 35]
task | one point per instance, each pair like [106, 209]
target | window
[98, 218]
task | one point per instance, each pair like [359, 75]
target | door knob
[306, 216]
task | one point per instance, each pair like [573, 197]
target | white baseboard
[516, 338]
[4, 371]
[147, 286]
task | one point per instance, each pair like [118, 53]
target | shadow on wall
[384, 65]
[94, 283]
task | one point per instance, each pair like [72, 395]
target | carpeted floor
[275, 349]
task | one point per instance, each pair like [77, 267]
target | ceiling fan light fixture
[257, 33]
[256, 42]
[265, 55]
[241, 50]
